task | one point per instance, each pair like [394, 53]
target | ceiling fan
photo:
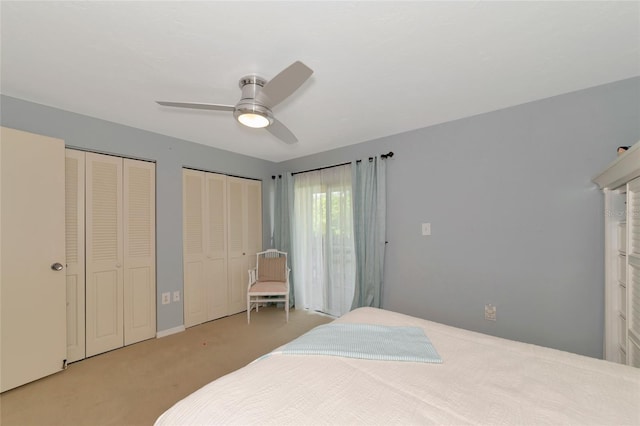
[259, 96]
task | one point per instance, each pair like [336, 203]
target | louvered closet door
[633, 273]
[74, 227]
[244, 199]
[193, 231]
[237, 235]
[139, 251]
[254, 221]
[216, 246]
[104, 253]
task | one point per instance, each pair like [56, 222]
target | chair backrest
[271, 265]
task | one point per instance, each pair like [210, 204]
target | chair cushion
[272, 269]
[268, 287]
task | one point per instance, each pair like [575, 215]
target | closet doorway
[111, 252]
[222, 232]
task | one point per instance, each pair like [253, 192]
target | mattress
[482, 380]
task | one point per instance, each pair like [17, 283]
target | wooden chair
[268, 281]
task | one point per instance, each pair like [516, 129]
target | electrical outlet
[426, 229]
[176, 296]
[490, 312]
[166, 298]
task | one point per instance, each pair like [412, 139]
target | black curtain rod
[383, 156]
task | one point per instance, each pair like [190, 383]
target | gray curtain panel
[283, 223]
[369, 217]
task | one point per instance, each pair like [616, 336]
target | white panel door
[74, 229]
[32, 236]
[193, 233]
[139, 241]
[104, 254]
[216, 246]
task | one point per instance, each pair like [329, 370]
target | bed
[479, 379]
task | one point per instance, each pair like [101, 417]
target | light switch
[426, 229]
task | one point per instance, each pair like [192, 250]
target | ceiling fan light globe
[253, 120]
[251, 114]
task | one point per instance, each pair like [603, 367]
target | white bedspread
[482, 380]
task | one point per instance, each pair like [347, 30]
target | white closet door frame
[139, 243]
[104, 254]
[75, 235]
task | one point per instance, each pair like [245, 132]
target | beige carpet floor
[135, 384]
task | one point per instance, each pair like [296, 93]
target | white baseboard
[170, 331]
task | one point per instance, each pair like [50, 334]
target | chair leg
[286, 308]
[248, 310]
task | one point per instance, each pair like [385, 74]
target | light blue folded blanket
[366, 341]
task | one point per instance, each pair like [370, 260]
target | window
[324, 270]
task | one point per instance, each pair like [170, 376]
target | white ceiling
[380, 68]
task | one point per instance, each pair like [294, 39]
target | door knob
[57, 266]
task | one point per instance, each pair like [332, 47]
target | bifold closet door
[244, 201]
[104, 254]
[216, 246]
[32, 257]
[111, 275]
[254, 220]
[222, 232]
[74, 230]
[193, 234]
[204, 239]
[139, 242]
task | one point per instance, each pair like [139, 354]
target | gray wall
[170, 156]
[515, 219]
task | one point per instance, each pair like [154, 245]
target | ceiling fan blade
[195, 105]
[281, 132]
[284, 84]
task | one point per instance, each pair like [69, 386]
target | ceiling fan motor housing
[248, 104]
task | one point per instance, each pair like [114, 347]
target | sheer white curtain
[324, 257]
